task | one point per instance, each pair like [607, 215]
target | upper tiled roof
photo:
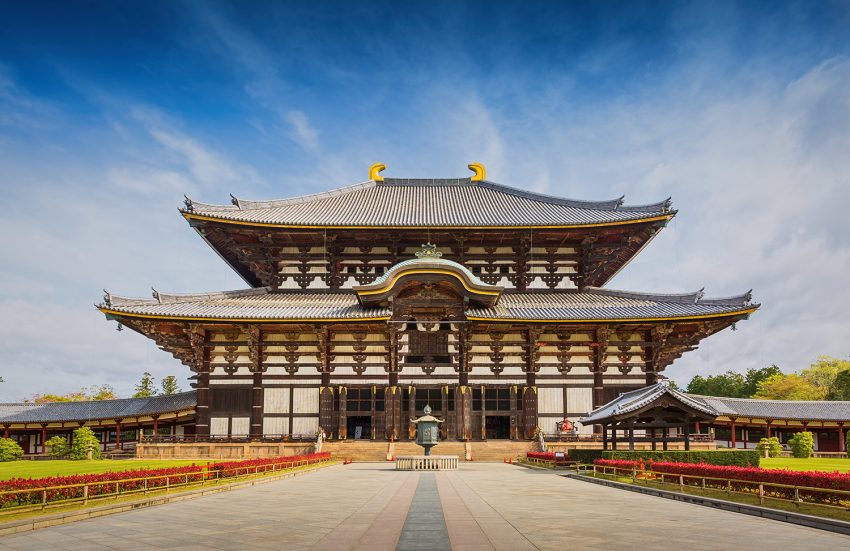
[396, 202]
[98, 409]
[588, 305]
[778, 409]
[634, 400]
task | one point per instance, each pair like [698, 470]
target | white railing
[426, 463]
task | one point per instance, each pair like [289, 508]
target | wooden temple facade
[367, 303]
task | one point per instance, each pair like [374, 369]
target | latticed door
[529, 410]
[326, 409]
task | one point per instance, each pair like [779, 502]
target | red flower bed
[620, 465]
[750, 477]
[235, 468]
[548, 456]
[30, 490]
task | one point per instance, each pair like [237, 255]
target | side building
[367, 303]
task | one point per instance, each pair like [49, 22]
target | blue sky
[110, 112]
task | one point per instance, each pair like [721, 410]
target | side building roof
[589, 305]
[96, 409]
[453, 203]
[778, 409]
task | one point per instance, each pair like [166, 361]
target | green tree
[771, 445]
[789, 387]
[145, 388]
[96, 392]
[169, 385]
[824, 372]
[85, 440]
[57, 446]
[802, 444]
[755, 376]
[10, 450]
[729, 384]
[840, 389]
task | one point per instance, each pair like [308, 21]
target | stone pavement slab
[480, 506]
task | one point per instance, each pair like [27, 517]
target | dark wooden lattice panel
[529, 411]
[230, 401]
[326, 409]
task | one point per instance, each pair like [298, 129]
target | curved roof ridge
[610, 204]
[663, 206]
[431, 260]
[696, 297]
[768, 401]
[110, 299]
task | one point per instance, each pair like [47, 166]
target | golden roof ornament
[429, 250]
[479, 170]
[374, 172]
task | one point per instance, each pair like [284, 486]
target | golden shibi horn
[479, 170]
[374, 172]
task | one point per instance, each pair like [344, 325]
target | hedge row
[740, 458]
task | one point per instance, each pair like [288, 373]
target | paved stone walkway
[476, 508]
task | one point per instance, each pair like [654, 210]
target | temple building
[365, 304]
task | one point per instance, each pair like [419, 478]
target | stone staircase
[491, 450]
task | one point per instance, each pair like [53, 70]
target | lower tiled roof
[634, 400]
[591, 304]
[778, 409]
[96, 409]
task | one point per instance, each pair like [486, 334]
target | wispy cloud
[303, 132]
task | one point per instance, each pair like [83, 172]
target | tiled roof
[428, 261]
[778, 409]
[564, 305]
[98, 409]
[634, 400]
[249, 304]
[596, 303]
[397, 202]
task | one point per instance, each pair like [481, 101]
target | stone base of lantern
[426, 462]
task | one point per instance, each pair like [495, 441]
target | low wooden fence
[42, 498]
[836, 499]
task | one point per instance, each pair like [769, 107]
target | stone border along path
[481, 506]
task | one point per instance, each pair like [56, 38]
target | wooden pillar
[155, 426]
[664, 438]
[118, 434]
[598, 369]
[687, 429]
[733, 433]
[6, 431]
[43, 438]
[631, 437]
[614, 437]
[392, 367]
[842, 445]
[604, 436]
[257, 405]
[654, 443]
[463, 355]
[343, 413]
[768, 431]
[463, 405]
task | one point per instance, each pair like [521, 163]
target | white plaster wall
[305, 400]
[240, 426]
[305, 425]
[275, 425]
[276, 400]
[579, 400]
[218, 426]
[550, 400]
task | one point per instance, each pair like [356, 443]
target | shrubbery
[741, 458]
[802, 444]
[10, 450]
[85, 440]
[771, 445]
[57, 446]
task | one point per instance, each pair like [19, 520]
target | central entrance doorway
[359, 426]
[497, 427]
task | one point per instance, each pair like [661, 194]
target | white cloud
[303, 132]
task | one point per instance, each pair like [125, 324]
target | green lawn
[38, 469]
[812, 464]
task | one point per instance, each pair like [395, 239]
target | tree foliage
[57, 446]
[840, 389]
[10, 450]
[771, 445]
[169, 385]
[85, 440]
[802, 444]
[789, 387]
[96, 392]
[146, 387]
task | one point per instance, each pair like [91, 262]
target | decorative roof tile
[399, 202]
[778, 409]
[634, 400]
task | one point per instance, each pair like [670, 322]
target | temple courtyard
[480, 506]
